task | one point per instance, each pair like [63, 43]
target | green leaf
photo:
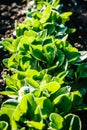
[30, 33]
[50, 28]
[25, 108]
[7, 110]
[49, 53]
[21, 28]
[65, 16]
[46, 14]
[71, 53]
[37, 54]
[27, 39]
[60, 77]
[9, 93]
[11, 83]
[55, 3]
[3, 125]
[13, 61]
[38, 114]
[32, 82]
[45, 106]
[10, 104]
[57, 122]
[36, 125]
[52, 87]
[63, 90]
[42, 34]
[77, 98]
[60, 57]
[63, 103]
[7, 43]
[36, 24]
[73, 122]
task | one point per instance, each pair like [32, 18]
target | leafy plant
[45, 87]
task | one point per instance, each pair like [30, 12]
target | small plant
[45, 88]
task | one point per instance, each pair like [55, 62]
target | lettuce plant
[45, 87]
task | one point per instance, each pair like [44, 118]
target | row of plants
[48, 75]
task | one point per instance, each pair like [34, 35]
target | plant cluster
[48, 77]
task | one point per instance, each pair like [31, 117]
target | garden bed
[12, 11]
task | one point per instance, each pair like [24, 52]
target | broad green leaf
[30, 33]
[10, 103]
[60, 57]
[52, 87]
[15, 44]
[45, 106]
[3, 125]
[41, 35]
[49, 52]
[46, 14]
[30, 106]
[77, 98]
[32, 82]
[65, 16]
[22, 27]
[35, 125]
[62, 90]
[48, 40]
[26, 41]
[38, 114]
[71, 53]
[56, 122]
[11, 83]
[25, 108]
[50, 28]
[37, 92]
[73, 122]
[9, 93]
[36, 24]
[7, 110]
[25, 62]
[38, 55]
[27, 22]
[13, 61]
[63, 103]
[7, 43]
[31, 73]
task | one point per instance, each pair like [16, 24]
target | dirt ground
[11, 10]
[78, 21]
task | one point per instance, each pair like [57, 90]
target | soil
[79, 21]
[11, 10]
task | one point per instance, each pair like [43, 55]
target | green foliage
[57, 122]
[72, 122]
[46, 84]
[3, 125]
